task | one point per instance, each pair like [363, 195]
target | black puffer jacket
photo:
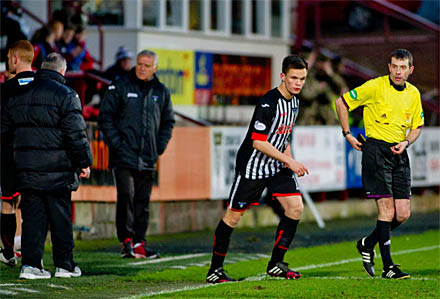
[137, 119]
[48, 137]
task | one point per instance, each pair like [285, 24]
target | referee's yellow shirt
[388, 113]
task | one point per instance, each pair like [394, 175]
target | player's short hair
[54, 61]
[402, 54]
[149, 53]
[24, 50]
[294, 62]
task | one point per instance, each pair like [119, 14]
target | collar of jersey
[397, 87]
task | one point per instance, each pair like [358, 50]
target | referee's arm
[342, 110]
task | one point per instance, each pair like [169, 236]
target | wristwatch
[345, 133]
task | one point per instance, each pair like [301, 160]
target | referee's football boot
[281, 269]
[218, 276]
[368, 255]
[394, 272]
[127, 249]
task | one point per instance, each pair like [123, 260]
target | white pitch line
[7, 292]
[58, 287]
[167, 259]
[26, 290]
[9, 284]
[263, 275]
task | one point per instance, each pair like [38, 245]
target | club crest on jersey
[259, 126]
[155, 98]
[284, 129]
[353, 94]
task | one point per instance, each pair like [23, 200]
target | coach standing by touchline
[392, 106]
[136, 118]
[50, 148]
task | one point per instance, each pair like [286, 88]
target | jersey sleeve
[418, 120]
[360, 96]
[262, 121]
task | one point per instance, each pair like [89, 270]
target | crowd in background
[65, 34]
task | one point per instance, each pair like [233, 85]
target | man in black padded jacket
[136, 118]
[46, 129]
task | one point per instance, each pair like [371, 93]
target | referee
[392, 107]
[265, 160]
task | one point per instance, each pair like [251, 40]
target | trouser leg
[34, 228]
[59, 211]
[125, 204]
[143, 183]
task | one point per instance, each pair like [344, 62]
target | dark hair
[402, 54]
[294, 62]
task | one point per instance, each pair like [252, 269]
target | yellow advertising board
[176, 71]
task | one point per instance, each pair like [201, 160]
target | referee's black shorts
[246, 192]
[385, 174]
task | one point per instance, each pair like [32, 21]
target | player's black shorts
[385, 174]
[246, 192]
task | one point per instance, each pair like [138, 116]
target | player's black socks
[8, 227]
[383, 234]
[285, 232]
[372, 239]
[221, 243]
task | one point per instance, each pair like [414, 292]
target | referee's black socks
[383, 235]
[372, 239]
[285, 232]
[221, 243]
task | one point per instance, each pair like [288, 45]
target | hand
[297, 167]
[354, 142]
[399, 148]
[85, 173]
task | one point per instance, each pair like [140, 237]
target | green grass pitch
[329, 271]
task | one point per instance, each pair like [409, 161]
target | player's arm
[342, 111]
[269, 150]
[410, 139]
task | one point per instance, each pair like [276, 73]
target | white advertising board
[424, 157]
[225, 142]
[322, 150]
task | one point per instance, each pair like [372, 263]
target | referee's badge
[353, 94]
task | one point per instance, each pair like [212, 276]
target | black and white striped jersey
[272, 121]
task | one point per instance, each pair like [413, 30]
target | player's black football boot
[281, 269]
[218, 276]
[368, 255]
[394, 272]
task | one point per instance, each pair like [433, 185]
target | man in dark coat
[20, 56]
[136, 118]
[46, 129]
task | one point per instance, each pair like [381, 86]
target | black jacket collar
[142, 83]
[51, 75]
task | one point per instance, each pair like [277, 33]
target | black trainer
[368, 255]
[281, 269]
[218, 276]
[127, 249]
[394, 272]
